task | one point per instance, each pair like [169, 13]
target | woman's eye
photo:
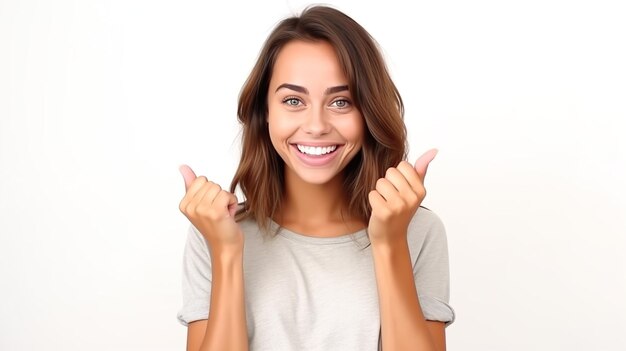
[341, 103]
[292, 102]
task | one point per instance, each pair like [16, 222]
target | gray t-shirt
[311, 293]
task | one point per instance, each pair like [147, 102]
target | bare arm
[226, 327]
[394, 202]
[403, 324]
[212, 211]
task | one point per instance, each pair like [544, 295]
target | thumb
[421, 165]
[188, 175]
[233, 205]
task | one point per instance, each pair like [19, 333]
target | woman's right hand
[211, 210]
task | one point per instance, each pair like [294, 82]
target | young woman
[330, 249]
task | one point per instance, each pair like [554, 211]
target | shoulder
[426, 232]
[195, 237]
[425, 222]
[249, 227]
[253, 234]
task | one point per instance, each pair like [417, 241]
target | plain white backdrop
[101, 101]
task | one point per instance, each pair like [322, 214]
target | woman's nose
[316, 122]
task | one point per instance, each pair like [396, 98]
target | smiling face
[313, 124]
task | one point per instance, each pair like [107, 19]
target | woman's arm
[402, 322]
[212, 211]
[394, 202]
[226, 327]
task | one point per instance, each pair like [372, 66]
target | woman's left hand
[396, 199]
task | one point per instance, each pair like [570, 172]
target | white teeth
[316, 150]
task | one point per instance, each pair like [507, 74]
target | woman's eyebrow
[304, 90]
[336, 89]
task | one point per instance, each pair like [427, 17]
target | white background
[100, 101]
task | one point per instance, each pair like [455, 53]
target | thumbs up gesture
[396, 198]
[211, 210]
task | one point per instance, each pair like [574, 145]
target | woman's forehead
[307, 63]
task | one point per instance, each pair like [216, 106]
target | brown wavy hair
[260, 174]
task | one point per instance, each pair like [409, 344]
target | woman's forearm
[403, 326]
[226, 327]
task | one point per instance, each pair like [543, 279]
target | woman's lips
[310, 158]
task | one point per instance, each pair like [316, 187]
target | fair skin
[316, 130]
[310, 106]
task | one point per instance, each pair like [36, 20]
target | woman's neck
[316, 209]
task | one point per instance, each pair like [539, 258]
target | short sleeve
[429, 251]
[196, 279]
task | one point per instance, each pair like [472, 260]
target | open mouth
[316, 150]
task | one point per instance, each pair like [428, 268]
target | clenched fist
[396, 199]
[211, 210]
